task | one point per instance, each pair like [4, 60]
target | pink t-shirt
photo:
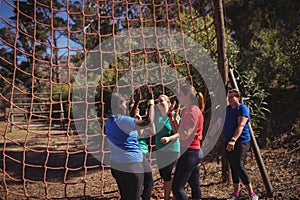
[192, 117]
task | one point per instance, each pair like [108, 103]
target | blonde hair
[201, 102]
[166, 98]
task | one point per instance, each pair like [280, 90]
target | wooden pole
[256, 150]
[261, 164]
[223, 68]
[221, 40]
[61, 114]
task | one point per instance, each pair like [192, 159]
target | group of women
[177, 144]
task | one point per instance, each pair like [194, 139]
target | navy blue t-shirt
[231, 121]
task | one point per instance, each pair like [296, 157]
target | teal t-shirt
[143, 144]
[163, 129]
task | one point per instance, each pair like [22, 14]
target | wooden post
[62, 123]
[261, 164]
[221, 40]
[223, 68]
[256, 150]
[10, 115]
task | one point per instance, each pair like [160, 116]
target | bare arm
[140, 124]
[174, 122]
[242, 121]
[133, 110]
[152, 130]
[166, 140]
[181, 132]
[148, 120]
[185, 133]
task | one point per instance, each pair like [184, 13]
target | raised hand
[177, 112]
[150, 93]
[171, 108]
[137, 96]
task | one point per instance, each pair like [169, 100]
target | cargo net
[59, 63]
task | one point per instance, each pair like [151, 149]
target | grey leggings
[237, 159]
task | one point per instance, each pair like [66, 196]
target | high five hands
[171, 115]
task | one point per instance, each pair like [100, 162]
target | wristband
[233, 139]
[150, 102]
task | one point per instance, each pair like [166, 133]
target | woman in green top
[167, 151]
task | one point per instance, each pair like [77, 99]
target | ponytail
[200, 99]
[191, 91]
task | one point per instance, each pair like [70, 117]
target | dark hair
[116, 100]
[188, 89]
[235, 92]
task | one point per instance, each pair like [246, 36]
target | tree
[37, 30]
[266, 32]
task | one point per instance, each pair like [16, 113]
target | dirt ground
[282, 161]
[59, 168]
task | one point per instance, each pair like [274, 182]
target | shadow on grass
[46, 166]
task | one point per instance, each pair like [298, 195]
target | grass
[5, 133]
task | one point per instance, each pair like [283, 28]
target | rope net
[49, 85]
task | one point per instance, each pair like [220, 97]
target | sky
[5, 11]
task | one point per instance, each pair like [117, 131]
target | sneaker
[254, 197]
[233, 197]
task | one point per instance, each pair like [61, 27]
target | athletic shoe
[233, 197]
[254, 197]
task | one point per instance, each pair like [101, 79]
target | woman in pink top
[189, 130]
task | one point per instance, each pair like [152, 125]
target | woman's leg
[184, 170]
[165, 169]
[194, 183]
[234, 163]
[148, 180]
[167, 189]
[130, 184]
[243, 149]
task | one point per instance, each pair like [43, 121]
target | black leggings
[148, 179]
[129, 183]
[237, 159]
[187, 171]
[166, 162]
